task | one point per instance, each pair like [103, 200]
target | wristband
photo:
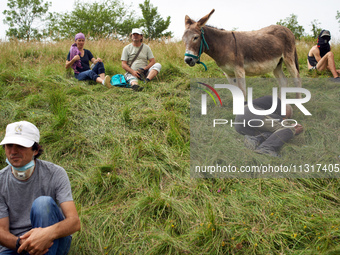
[17, 245]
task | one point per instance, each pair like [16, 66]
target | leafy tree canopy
[316, 30]
[109, 18]
[292, 23]
[104, 19]
[22, 15]
[154, 25]
[338, 16]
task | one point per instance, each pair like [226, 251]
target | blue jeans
[91, 74]
[44, 213]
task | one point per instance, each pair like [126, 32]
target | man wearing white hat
[138, 61]
[37, 212]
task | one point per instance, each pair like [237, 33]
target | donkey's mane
[221, 29]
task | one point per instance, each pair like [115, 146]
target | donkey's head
[192, 38]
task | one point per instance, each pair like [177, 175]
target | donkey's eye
[195, 38]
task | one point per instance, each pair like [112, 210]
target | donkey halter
[203, 43]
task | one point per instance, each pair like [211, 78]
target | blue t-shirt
[85, 60]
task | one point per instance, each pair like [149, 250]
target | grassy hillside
[128, 155]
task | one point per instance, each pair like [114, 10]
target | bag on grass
[119, 81]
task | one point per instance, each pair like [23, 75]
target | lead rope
[203, 43]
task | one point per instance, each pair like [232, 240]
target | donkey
[243, 53]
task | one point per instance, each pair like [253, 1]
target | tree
[316, 30]
[153, 23]
[98, 20]
[21, 18]
[337, 16]
[292, 24]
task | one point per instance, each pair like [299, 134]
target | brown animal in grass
[243, 53]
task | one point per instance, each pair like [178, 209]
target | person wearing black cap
[37, 211]
[321, 58]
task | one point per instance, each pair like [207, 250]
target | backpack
[119, 81]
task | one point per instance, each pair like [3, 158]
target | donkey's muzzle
[190, 61]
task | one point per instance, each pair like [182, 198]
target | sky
[241, 15]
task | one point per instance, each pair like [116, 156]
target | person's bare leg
[134, 82]
[331, 65]
[102, 76]
[152, 74]
[99, 80]
[328, 62]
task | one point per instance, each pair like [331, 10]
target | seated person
[271, 136]
[78, 58]
[37, 211]
[321, 58]
[143, 66]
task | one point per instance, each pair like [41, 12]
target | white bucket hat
[137, 31]
[21, 133]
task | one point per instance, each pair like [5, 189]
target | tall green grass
[128, 155]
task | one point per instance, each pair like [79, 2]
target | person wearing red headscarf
[321, 58]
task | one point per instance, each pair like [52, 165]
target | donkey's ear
[204, 20]
[188, 21]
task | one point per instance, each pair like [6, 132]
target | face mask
[23, 168]
[24, 172]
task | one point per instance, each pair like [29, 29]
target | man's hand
[136, 74]
[298, 129]
[37, 241]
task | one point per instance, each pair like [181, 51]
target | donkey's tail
[296, 61]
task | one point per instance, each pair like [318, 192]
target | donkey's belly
[258, 68]
[252, 68]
